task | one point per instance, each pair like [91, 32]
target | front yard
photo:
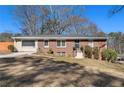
[59, 71]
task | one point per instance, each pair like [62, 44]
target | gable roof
[57, 37]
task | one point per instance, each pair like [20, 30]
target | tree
[116, 9]
[92, 30]
[6, 36]
[17, 34]
[109, 55]
[35, 20]
[56, 20]
[116, 41]
[88, 51]
[61, 19]
[28, 19]
[96, 52]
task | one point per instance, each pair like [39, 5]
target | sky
[96, 14]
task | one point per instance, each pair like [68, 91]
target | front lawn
[96, 64]
[59, 71]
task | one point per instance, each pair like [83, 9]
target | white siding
[20, 48]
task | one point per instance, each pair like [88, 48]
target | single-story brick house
[61, 45]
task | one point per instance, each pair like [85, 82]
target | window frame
[22, 43]
[61, 53]
[61, 44]
[45, 45]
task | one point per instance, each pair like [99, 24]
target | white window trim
[61, 44]
[60, 53]
[44, 44]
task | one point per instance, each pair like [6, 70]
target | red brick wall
[83, 43]
[69, 46]
[102, 45]
[4, 47]
[52, 44]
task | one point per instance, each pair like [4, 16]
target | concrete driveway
[17, 54]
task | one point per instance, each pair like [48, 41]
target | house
[61, 45]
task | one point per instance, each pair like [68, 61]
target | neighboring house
[61, 45]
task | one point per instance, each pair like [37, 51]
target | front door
[79, 53]
[77, 44]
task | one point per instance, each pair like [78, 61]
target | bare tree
[116, 41]
[91, 29]
[36, 20]
[115, 9]
[28, 19]
[4, 36]
[61, 19]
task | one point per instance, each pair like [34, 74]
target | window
[46, 43]
[61, 53]
[28, 43]
[58, 43]
[61, 43]
[91, 44]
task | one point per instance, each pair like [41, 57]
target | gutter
[61, 38]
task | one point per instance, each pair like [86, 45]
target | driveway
[17, 54]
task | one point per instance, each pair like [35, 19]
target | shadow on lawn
[47, 72]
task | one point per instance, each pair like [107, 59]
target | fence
[4, 47]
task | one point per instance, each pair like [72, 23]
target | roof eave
[57, 38]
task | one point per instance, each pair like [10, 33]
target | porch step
[79, 55]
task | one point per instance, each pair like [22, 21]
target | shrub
[96, 52]
[50, 51]
[88, 51]
[109, 55]
[81, 48]
[11, 48]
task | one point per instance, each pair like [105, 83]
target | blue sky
[96, 14]
[99, 15]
